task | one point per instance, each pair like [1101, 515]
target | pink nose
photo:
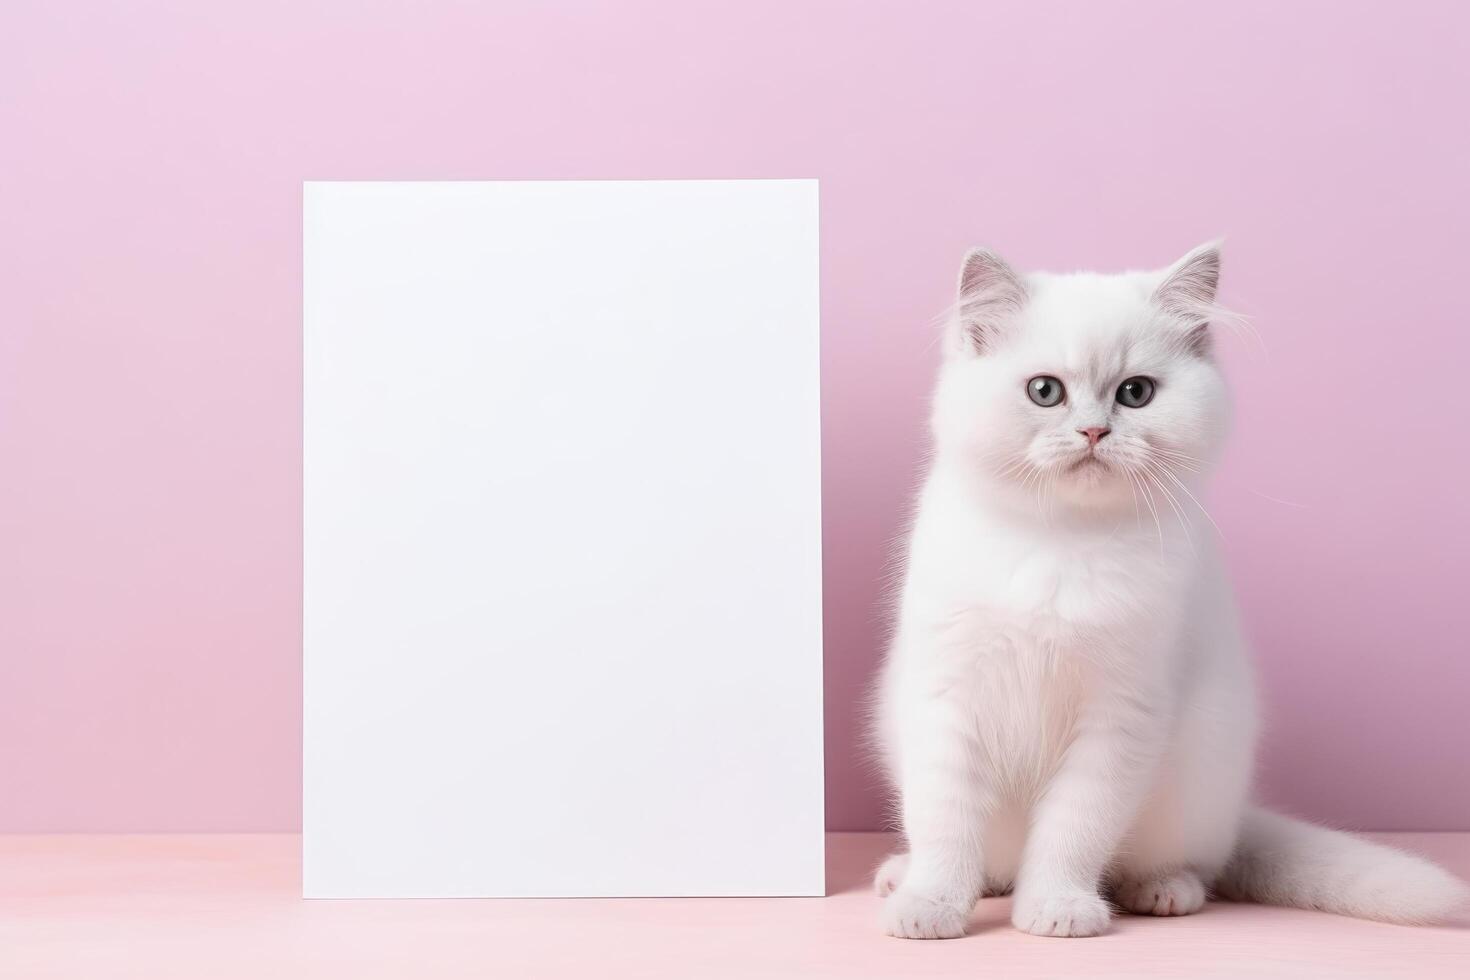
[1095, 434]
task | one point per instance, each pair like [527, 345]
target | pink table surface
[227, 906]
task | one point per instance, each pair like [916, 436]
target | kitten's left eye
[1136, 392]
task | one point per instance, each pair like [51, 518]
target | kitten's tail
[1280, 861]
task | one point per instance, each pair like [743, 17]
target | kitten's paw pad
[1179, 893]
[1061, 915]
[908, 915]
[890, 874]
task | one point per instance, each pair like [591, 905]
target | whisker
[1180, 484]
[1174, 505]
[1148, 498]
[1276, 500]
[1173, 457]
[1133, 492]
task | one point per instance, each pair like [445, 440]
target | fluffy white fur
[1066, 709]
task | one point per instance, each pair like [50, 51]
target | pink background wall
[150, 291]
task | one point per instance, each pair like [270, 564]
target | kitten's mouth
[1087, 462]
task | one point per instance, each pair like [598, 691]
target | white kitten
[1066, 707]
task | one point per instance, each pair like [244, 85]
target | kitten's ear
[990, 292]
[1187, 292]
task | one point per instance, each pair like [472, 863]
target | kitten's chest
[1055, 589]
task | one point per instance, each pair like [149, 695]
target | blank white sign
[562, 539]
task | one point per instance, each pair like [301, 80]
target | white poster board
[562, 539]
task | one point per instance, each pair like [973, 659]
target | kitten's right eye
[1045, 390]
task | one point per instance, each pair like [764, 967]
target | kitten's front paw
[1180, 893]
[909, 915]
[1076, 914]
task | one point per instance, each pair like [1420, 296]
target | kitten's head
[1082, 389]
